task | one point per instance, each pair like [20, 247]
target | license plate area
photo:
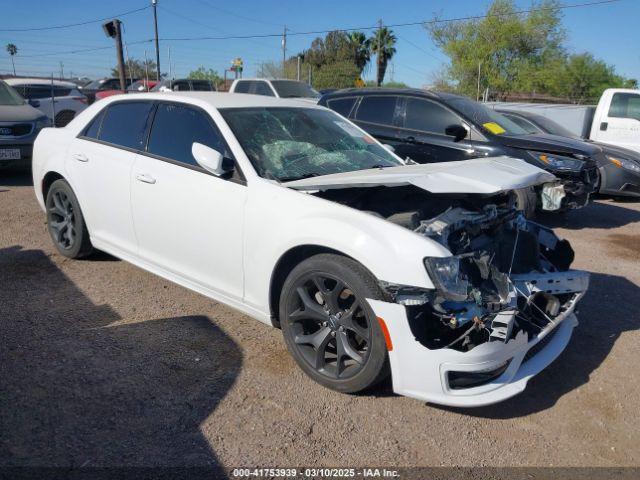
[9, 154]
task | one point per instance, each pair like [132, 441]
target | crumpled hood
[481, 176]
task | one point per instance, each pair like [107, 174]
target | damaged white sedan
[295, 216]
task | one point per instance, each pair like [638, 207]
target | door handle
[81, 157]
[603, 126]
[144, 178]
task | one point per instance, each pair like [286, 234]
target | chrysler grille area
[503, 304]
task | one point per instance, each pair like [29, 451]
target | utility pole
[478, 94]
[170, 69]
[126, 51]
[284, 50]
[146, 71]
[298, 70]
[379, 59]
[61, 70]
[113, 29]
[154, 3]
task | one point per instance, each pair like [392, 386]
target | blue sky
[608, 31]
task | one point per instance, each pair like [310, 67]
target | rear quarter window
[625, 105]
[342, 106]
[377, 109]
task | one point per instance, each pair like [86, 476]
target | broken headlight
[558, 162]
[445, 274]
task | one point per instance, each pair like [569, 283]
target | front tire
[65, 222]
[329, 327]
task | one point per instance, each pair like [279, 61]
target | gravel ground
[104, 364]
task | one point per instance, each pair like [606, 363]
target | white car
[280, 88]
[293, 215]
[58, 100]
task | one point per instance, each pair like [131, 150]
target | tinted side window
[379, 109]
[428, 116]
[201, 86]
[342, 105]
[37, 91]
[181, 86]
[125, 124]
[175, 129]
[625, 105]
[261, 88]
[94, 126]
[242, 87]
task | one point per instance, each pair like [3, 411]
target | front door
[188, 221]
[621, 125]
[424, 123]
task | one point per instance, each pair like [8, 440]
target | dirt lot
[104, 364]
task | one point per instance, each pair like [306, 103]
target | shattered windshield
[289, 144]
[490, 120]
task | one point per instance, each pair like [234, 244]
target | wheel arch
[48, 180]
[285, 264]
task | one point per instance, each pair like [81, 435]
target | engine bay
[507, 274]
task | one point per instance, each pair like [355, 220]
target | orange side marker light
[385, 333]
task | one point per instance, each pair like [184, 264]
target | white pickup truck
[615, 120]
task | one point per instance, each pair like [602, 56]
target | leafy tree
[136, 69]
[342, 74]
[361, 47]
[202, 73]
[383, 45]
[12, 50]
[496, 48]
[372, 83]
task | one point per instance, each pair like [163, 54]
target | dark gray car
[20, 124]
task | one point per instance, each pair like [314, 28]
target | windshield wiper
[301, 177]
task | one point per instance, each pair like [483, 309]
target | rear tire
[329, 327]
[65, 222]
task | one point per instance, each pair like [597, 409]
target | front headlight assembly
[445, 274]
[624, 163]
[557, 162]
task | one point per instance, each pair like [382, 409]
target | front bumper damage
[571, 191]
[493, 371]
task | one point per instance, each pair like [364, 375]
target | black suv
[428, 126]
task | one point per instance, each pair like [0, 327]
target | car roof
[387, 91]
[219, 99]
[39, 81]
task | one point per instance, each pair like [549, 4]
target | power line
[69, 52]
[70, 25]
[394, 25]
[227, 12]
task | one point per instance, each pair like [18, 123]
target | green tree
[202, 73]
[383, 46]
[497, 48]
[136, 69]
[585, 78]
[12, 50]
[360, 45]
[342, 74]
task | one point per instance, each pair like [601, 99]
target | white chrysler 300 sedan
[298, 218]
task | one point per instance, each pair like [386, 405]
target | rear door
[377, 115]
[100, 161]
[423, 129]
[188, 221]
[620, 125]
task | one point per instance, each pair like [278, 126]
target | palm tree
[383, 45]
[12, 49]
[361, 47]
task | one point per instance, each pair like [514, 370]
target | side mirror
[457, 131]
[34, 103]
[211, 160]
